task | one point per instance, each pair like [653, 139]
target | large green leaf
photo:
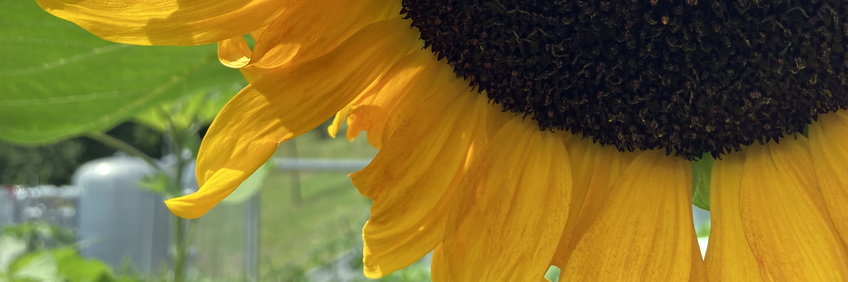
[58, 81]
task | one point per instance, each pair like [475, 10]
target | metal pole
[286, 164]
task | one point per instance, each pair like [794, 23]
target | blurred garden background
[94, 135]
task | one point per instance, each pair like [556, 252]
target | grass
[297, 237]
[325, 225]
[219, 244]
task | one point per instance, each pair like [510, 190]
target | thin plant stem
[183, 237]
[181, 250]
[125, 147]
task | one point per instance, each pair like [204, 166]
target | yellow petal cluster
[491, 196]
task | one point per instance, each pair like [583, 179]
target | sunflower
[515, 135]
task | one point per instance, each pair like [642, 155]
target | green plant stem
[123, 146]
[181, 242]
[184, 232]
[184, 237]
[181, 250]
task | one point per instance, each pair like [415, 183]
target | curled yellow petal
[413, 191]
[234, 52]
[309, 29]
[167, 22]
[386, 104]
[284, 104]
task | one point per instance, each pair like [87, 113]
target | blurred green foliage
[55, 163]
[36, 251]
[40, 235]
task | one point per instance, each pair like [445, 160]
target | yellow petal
[431, 86]
[285, 104]
[382, 108]
[167, 22]
[698, 273]
[234, 52]
[512, 217]
[309, 29]
[417, 187]
[729, 258]
[830, 156]
[644, 230]
[783, 216]
[594, 169]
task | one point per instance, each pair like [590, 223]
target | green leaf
[10, 248]
[250, 186]
[157, 182]
[701, 173]
[58, 81]
[37, 266]
[74, 267]
[187, 111]
[62, 264]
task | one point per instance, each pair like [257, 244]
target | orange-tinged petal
[234, 52]
[285, 104]
[311, 28]
[644, 230]
[729, 258]
[382, 108]
[433, 88]
[829, 148]
[512, 216]
[383, 112]
[783, 216]
[417, 187]
[167, 22]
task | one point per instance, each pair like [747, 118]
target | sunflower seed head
[690, 77]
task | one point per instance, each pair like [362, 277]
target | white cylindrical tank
[120, 222]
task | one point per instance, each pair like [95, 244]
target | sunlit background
[94, 135]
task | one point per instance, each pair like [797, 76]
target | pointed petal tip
[185, 208]
[212, 191]
[371, 271]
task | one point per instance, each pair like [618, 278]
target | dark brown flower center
[689, 76]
